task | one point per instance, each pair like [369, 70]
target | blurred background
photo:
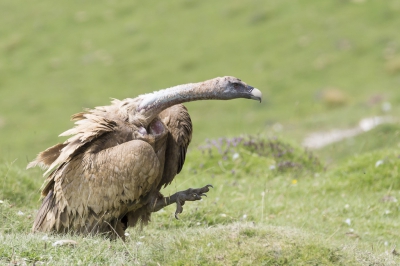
[321, 65]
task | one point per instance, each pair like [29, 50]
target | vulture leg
[191, 194]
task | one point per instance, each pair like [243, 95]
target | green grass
[57, 59]
[274, 203]
[17, 184]
[242, 244]
[256, 214]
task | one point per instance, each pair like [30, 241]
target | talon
[197, 196]
[179, 208]
[191, 194]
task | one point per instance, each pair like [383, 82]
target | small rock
[64, 242]
[378, 163]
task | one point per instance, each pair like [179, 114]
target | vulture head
[231, 88]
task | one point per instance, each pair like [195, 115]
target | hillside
[57, 59]
[322, 66]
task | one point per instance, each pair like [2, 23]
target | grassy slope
[254, 215]
[57, 58]
[78, 55]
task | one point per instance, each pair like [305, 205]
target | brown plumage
[108, 175]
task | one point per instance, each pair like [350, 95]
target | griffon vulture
[108, 174]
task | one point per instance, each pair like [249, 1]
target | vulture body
[109, 173]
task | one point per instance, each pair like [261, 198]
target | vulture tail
[44, 221]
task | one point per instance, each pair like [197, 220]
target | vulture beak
[255, 94]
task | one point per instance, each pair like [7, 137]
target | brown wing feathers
[179, 124]
[87, 188]
[90, 125]
[47, 157]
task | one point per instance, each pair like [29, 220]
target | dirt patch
[319, 140]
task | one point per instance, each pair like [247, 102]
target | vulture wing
[179, 124]
[89, 126]
[92, 188]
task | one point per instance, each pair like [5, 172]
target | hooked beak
[255, 93]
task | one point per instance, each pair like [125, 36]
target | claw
[189, 195]
[179, 209]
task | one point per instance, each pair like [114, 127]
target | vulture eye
[236, 86]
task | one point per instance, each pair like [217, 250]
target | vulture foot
[191, 194]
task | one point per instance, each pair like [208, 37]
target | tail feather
[47, 157]
[46, 216]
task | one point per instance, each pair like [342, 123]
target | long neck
[153, 103]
